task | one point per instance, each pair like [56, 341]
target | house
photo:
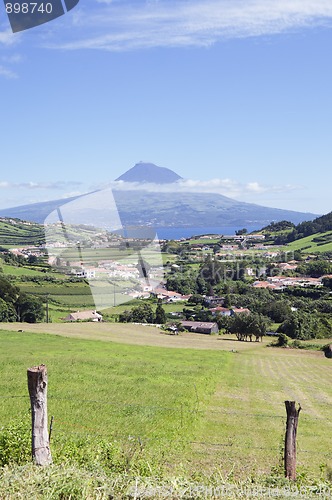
[200, 327]
[84, 316]
[169, 296]
[249, 271]
[214, 301]
[286, 266]
[84, 273]
[255, 236]
[265, 284]
[222, 311]
[239, 310]
[301, 281]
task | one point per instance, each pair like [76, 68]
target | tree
[246, 325]
[201, 285]
[197, 299]
[327, 282]
[139, 314]
[29, 309]
[212, 271]
[278, 310]
[8, 292]
[184, 283]
[302, 326]
[240, 232]
[7, 311]
[227, 301]
[32, 259]
[160, 314]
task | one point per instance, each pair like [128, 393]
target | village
[203, 283]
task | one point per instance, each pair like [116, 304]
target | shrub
[282, 340]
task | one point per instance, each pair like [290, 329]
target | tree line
[16, 305]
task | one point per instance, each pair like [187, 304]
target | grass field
[187, 405]
[23, 271]
[20, 233]
[309, 246]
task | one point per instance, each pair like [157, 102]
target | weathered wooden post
[37, 385]
[290, 439]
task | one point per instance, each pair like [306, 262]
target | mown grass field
[307, 245]
[205, 405]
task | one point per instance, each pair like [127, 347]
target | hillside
[19, 233]
[316, 243]
[16, 233]
[160, 209]
[310, 236]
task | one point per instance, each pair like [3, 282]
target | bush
[282, 340]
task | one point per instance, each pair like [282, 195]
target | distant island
[138, 206]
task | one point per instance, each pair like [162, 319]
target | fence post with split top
[37, 385]
[290, 439]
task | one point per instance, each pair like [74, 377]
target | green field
[23, 271]
[202, 412]
[307, 245]
[19, 233]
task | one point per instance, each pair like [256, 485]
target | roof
[220, 309]
[238, 310]
[83, 315]
[200, 326]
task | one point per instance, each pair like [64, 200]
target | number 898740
[28, 8]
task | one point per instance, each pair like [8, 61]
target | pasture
[316, 243]
[188, 405]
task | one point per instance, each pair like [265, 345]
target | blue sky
[233, 95]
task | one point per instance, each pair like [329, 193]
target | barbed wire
[232, 445]
[78, 429]
[12, 397]
[181, 407]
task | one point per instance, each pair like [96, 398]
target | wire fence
[181, 407]
[62, 426]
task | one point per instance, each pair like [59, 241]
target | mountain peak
[148, 172]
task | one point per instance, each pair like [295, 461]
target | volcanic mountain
[138, 206]
[148, 172]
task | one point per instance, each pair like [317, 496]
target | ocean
[176, 233]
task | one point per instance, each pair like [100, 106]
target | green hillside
[14, 232]
[316, 243]
[18, 233]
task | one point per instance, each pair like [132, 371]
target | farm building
[84, 316]
[200, 327]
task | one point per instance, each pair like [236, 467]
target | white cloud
[8, 38]
[57, 185]
[7, 73]
[227, 187]
[119, 26]
[12, 59]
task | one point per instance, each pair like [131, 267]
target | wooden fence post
[290, 439]
[37, 385]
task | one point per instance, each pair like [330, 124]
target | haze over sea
[176, 233]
